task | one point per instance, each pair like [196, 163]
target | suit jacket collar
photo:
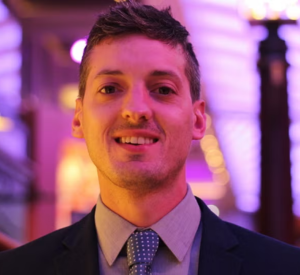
[216, 246]
[81, 247]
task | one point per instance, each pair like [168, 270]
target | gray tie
[141, 248]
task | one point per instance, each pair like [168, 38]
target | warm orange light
[215, 161]
[221, 178]
[208, 121]
[214, 153]
[77, 182]
[68, 95]
[214, 157]
[259, 13]
[208, 191]
[269, 9]
[219, 170]
[6, 124]
[208, 142]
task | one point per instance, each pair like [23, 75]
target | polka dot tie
[141, 248]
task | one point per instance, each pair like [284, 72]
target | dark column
[275, 216]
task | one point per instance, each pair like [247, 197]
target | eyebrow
[154, 73]
[108, 72]
[166, 73]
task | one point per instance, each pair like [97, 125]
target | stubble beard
[145, 180]
[151, 178]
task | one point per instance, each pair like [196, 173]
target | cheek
[183, 119]
[95, 114]
[91, 126]
[98, 127]
[179, 120]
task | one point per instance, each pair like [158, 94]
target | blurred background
[246, 168]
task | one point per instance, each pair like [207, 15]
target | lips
[136, 140]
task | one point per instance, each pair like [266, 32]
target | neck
[142, 210]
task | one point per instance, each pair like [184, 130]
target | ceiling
[38, 8]
[77, 3]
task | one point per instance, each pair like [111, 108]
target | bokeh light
[68, 95]
[77, 49]
[270, 9]
[6, 124]
[4, 13]
[214, 209]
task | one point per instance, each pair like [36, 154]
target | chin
[138, 180]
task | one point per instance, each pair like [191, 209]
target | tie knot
[141, 247]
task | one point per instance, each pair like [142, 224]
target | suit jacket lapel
[217, 241]
[80, 255]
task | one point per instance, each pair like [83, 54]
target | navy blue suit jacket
[226, 249]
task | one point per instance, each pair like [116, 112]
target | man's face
[137, 116]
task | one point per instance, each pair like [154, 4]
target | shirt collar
[177, 229]
[112, 230]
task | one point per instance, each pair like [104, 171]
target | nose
[136, 107]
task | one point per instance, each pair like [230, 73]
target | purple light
[247, 202]
[77, 49]
[10, 86]
[10, 83]
[4, 14]
[291, 35]
[10, 62]
[223, 21]
[241, 147]
[11, 36]
[13, 141]
[295, 131]
[227, 52]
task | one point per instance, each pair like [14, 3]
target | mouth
[134, 140]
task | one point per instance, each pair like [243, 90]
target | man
[138, 111]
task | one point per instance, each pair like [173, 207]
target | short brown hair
[133, 18]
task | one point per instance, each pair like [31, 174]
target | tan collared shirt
[177, 254]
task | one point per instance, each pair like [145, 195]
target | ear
[77, 130]
[199, 125]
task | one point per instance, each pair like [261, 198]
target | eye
[164, 90]
[108, 90]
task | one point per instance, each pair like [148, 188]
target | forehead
[136, 53]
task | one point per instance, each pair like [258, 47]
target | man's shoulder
[50, 240]
[254, 253]
[250, 240]
[264, 255]
[238, 235]
[41, 252]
